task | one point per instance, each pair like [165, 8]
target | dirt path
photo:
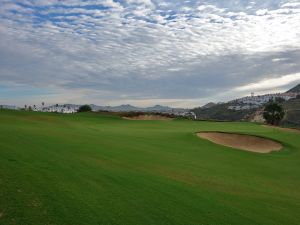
[243, 142]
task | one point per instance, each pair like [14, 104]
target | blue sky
[146, 52]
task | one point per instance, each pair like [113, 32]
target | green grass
[89, 169]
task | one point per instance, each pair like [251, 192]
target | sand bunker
[243, 142]
[283, 129]
[148, 117]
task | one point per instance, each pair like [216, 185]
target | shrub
[84, 108]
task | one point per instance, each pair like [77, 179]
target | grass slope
[89, 169]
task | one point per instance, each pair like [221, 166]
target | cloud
[272, 83]
[143, 49]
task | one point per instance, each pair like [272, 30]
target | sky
[146, 52]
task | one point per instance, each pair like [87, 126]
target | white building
[252, 102]
[59, 109]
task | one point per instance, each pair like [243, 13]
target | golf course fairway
[92, 169]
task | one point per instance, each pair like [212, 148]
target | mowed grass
[88, 169]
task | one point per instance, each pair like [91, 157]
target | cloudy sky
[146, 52]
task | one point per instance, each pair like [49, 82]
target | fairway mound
[147, 117]
[283, 129]
[241, 141]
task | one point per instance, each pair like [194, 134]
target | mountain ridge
[295, 89]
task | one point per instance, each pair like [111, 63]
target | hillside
[295, 89]
[96, 169]
[292, 114]
[292, 117]
[234, 111]
[222, 113]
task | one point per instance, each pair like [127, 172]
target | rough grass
[100, 169]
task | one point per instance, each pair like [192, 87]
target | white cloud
[92, 44]
[272, 83]
[143, 2]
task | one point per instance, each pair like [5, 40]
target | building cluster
[242, 107]
[254, 102]
[54, 108]
[187, 113]
[58, 109]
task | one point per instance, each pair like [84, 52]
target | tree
[84, 108]
[273, 113]
[279, 100]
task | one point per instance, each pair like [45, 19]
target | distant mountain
[120, 108]
[295, 89]
[130, 108]
[123, 108]
[158, 108]
[209, 105]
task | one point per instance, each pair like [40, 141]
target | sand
[242, 142]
